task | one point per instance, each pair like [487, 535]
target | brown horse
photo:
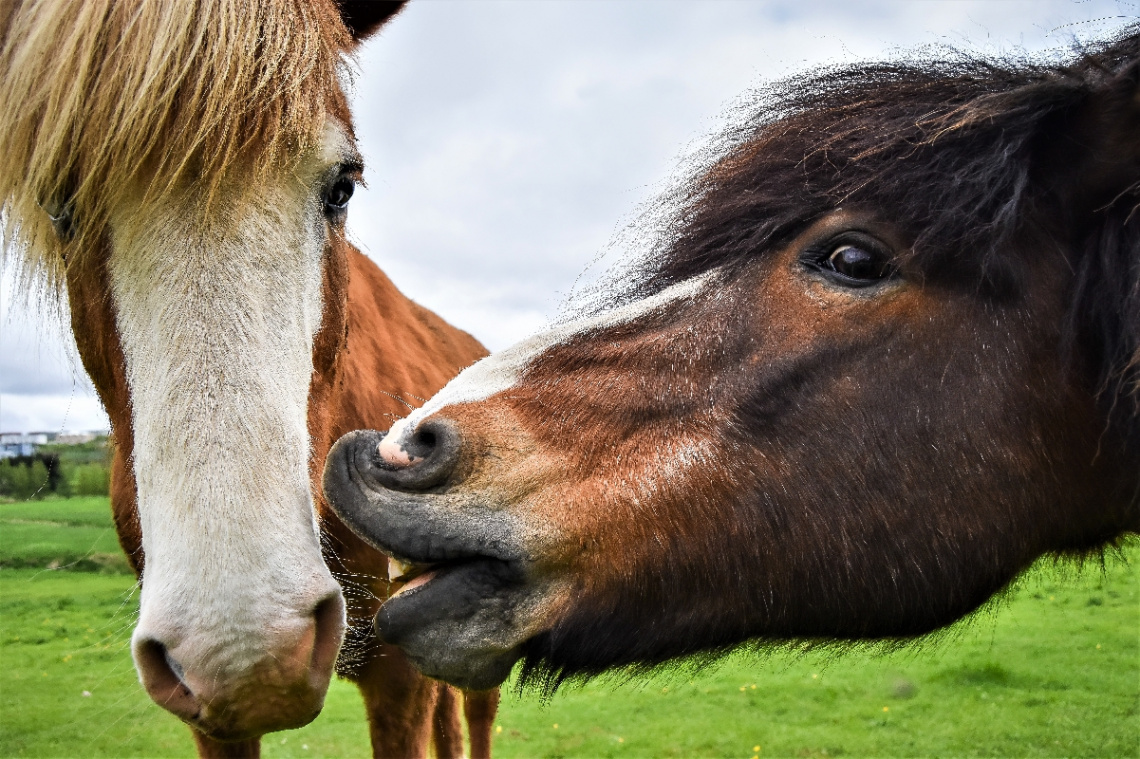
[884, 355]
[184, 170]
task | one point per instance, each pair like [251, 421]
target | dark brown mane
[953, 145]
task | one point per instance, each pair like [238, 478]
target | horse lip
[414, 528]
[457, 626]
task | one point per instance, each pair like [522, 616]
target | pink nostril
[414, 459]
[162, 675]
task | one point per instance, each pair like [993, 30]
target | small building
[74, 438]
[14, 444]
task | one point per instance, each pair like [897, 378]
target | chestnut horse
[885, 355]
[184, 170]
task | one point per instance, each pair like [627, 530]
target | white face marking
[217, 314]
[500, 371]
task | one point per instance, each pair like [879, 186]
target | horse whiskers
[398, 399]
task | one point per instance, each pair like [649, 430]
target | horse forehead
[503, 370]
[188, 271]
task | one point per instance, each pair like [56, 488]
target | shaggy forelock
[942, 138]
[100, 96]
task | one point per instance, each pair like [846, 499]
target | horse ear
[364, 17]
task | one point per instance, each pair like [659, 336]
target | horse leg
[209, 748]
[479, 707]
[446, 728]
[400, 703]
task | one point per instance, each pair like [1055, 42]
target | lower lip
[423, 579]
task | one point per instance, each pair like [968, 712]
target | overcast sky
[506, 142]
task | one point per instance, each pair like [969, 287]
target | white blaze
[217, 314]
[500, 371]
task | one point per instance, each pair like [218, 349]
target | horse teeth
[397, 569]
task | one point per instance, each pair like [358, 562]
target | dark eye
[855, 260]
[63, 222]
[338, 195]
[858, 263]
[61, 212]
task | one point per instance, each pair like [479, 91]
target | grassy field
[72, 533]
[1051, 670]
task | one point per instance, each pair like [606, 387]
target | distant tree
[25, 477]
[90, 479]
[84, 468]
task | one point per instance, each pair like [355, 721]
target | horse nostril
[175, 667]
[162, 676]
[422, 444]
[330, 624]
[418, 459]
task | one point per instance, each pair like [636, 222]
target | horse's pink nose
[284, 688]
[419, 458]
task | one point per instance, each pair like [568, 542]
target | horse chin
[460, 626]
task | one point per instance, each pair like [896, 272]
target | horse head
[184, 171]
[885, 354]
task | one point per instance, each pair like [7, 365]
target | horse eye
[61, 213]
[858, 265]
[63, 222]
[337, 196]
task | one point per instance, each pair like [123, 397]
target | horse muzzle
[232, 690]
[471, 594]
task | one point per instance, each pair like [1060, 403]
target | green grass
[81, 511]
[1053, 669]
[67, 634]
[76, 533]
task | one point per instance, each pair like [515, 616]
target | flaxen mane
[87, 119]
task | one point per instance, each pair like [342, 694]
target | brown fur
[881, 466]
[415, 352]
